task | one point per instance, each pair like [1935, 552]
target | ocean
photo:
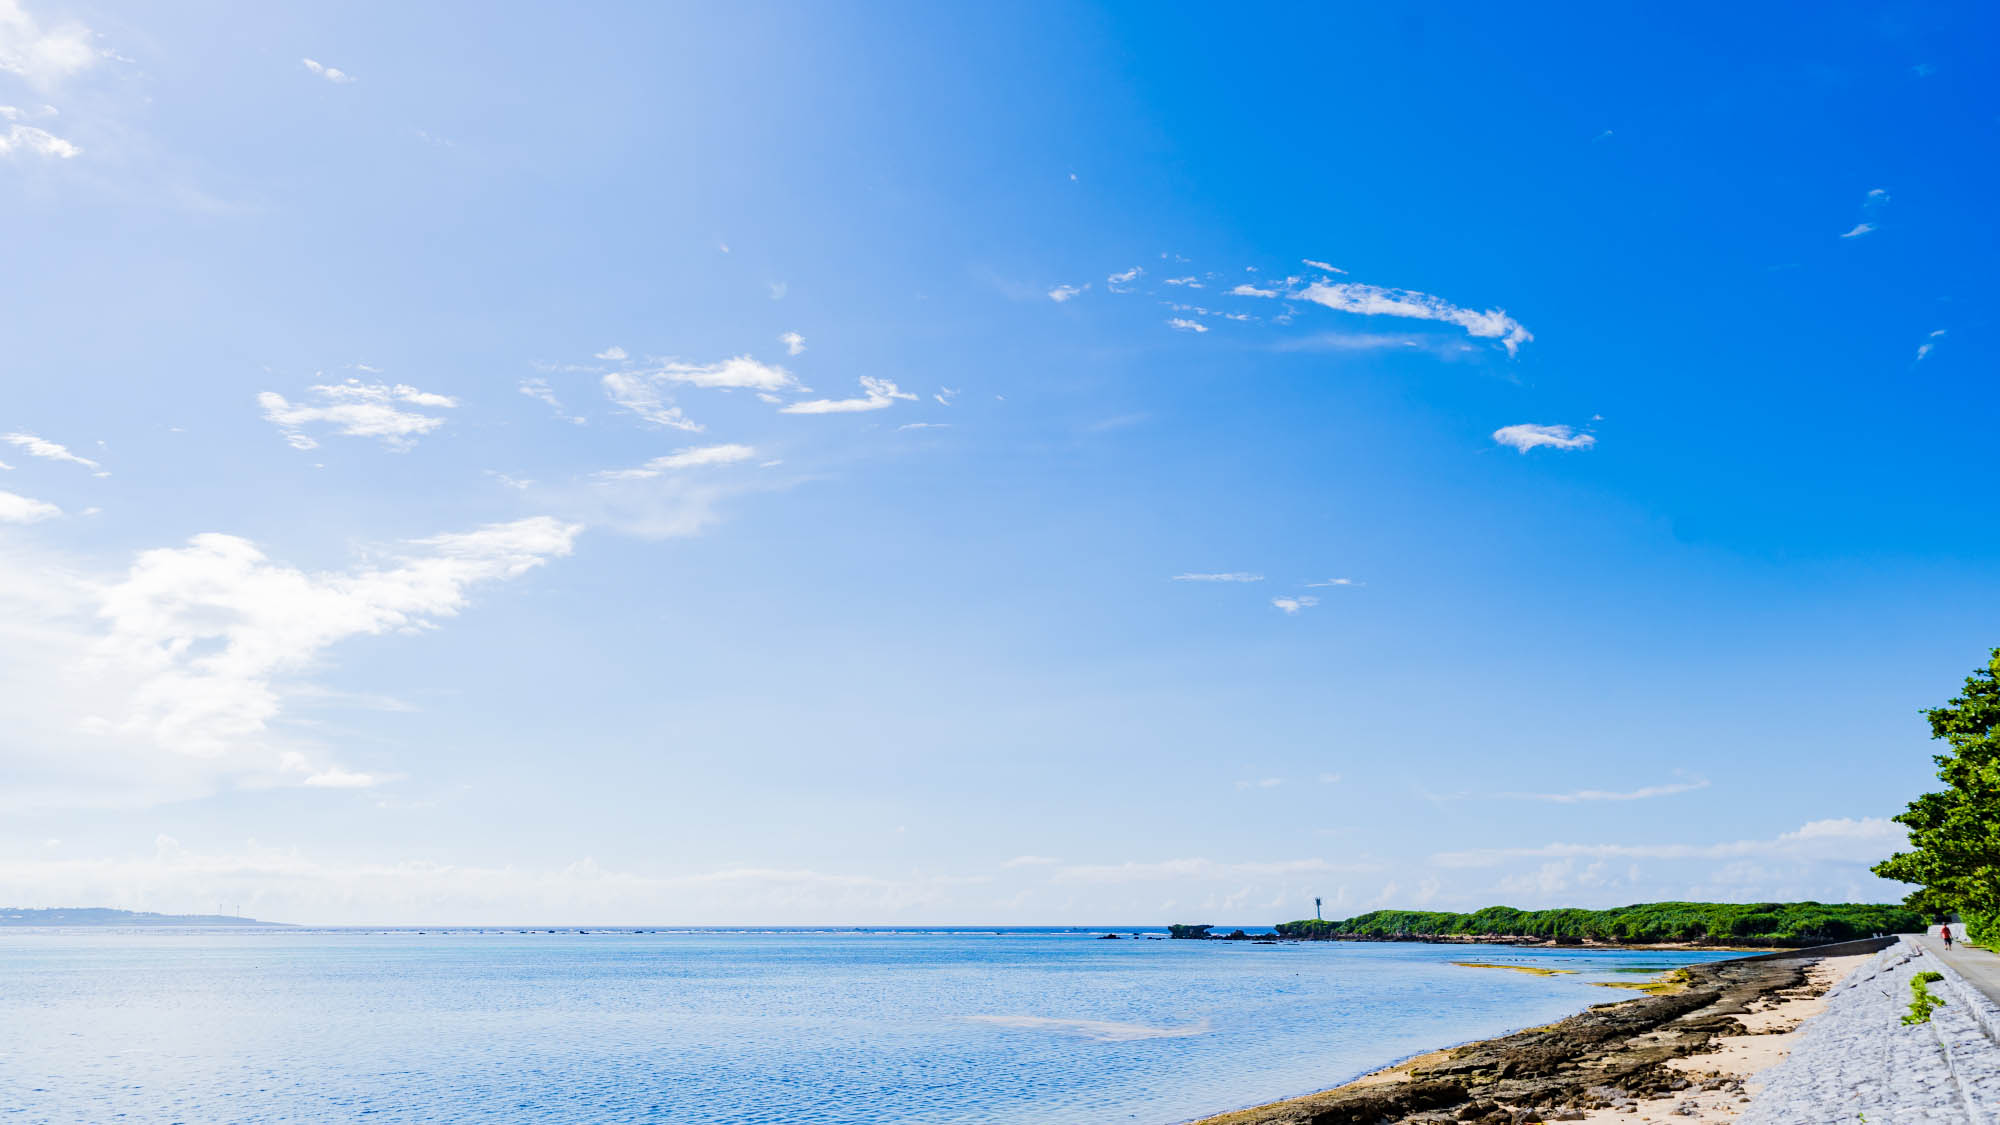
[828, 1026]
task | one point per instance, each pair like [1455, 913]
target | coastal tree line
[1650, 923]
[1954, 854]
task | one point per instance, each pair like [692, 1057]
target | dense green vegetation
[1954, 856]
[1711, 923]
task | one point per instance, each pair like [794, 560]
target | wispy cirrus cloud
[1374, 300]
[1196, 868]
[1062, 293]
[642, 390]
[540, 391]
[736, 373]
[691, 458]
[1581, 796]
[355, 409]
[1527, 435]
[1863, 839]
[48, 450]
[877, 394]
[1291, 605]
[1224, 576]
[330, 73]
[1871, 206]
[1930, 343]
[644, 397]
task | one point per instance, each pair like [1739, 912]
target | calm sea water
[707, 1026]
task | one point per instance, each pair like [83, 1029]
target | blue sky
[1044, 463]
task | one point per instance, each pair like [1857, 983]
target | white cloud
[794, 343]
[40, 142]
[1924, 348]
[1292, 605]
[1175, 869]
[287, 884]
[1229, 576]
[694, 457]
[540, 391]
[737, 373]
[49, 450]
[42, 55]
[642, 396]
[1329, 268]
[614, 352]
[1187, 325]
[1859, 230]
[1332, 582]
[336, 778]
[880, 393]
[1579, 796]
[925, 426]
[1864, 839]
[1063, 293]
[1373, 300]
[945, 395]
[1248, 290]
[202, 635]
[331, 74]
[1527, 435]
[22, 509]
[1121, 282]
[778, 290]
[357, 409]
[1189, 282]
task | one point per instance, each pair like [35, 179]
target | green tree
[1954, 856]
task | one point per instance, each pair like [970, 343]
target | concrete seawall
[1858, 1062]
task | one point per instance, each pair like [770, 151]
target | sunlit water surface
[711, 1026]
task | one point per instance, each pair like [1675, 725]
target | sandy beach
[1686, 1053]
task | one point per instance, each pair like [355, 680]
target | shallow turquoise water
[834, 1027]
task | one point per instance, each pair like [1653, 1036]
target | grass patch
[1922, 1000]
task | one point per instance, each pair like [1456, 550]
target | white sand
[1773, 1028]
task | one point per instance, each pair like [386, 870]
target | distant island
[101, 916]
[1778, 924]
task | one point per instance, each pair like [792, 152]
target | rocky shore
[1679, 1054]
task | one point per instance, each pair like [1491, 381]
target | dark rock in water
[1109, 937]
[1195, 932]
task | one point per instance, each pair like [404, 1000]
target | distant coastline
[1647, 925]
[103, 916]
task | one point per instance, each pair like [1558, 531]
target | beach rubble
[1638, 1060]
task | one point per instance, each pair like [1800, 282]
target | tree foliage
[1649, 923]
[1954, 856]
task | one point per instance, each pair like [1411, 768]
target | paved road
[1980, 968]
